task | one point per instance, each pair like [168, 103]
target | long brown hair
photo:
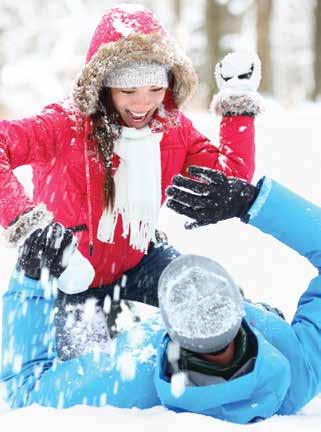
[107, 130]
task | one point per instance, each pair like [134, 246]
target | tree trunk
[179, 27]
[264, 9]
[213, 25]
[177, 6]
[317, 51]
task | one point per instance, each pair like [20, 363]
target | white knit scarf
[137, 186]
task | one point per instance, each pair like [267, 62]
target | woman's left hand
[238, 77]
[238, 72]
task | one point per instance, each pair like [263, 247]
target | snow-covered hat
[126, 34]
[200, 304]
[138, 74]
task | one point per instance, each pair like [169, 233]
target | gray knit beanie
[200, 304]
[138, 74]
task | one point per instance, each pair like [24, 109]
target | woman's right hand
[46, 250]
[238, 72]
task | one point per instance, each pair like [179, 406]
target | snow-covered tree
[292, 50]
[317, 50]
[263, 25]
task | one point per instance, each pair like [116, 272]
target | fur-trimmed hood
[130, 33]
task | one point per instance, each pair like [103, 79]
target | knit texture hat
[200, 304]
[138, 74]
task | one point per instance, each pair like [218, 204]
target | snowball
[127, 366]
[178, 384]
[131, 8]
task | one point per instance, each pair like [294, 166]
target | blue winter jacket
[287, 370]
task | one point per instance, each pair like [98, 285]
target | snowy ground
[289, 150]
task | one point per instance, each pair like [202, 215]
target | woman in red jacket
[102, 159]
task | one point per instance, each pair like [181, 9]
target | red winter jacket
[54, 144]
[68, 171]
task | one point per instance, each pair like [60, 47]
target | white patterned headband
[138, 74]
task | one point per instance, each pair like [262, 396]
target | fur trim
[138, 47]
[243, 103]
[38, 217]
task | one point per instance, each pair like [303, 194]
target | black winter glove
[212, 199]
[47, 248]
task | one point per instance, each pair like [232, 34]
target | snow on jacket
[68, 170]
[286, 373]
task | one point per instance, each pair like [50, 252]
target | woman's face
[136, 106]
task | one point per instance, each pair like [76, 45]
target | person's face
[137, 105]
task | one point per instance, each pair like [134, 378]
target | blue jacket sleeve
[287, 371]
[296, 222]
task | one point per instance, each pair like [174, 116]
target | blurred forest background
[43, 45]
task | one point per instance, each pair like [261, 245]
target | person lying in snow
[103, 158]
[212, 352]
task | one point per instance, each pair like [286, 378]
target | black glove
[212, 199]
[46, 248]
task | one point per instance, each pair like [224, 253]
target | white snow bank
[157, 419]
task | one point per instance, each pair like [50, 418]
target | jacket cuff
[264, 187]
[38, 217]
[237, 103]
